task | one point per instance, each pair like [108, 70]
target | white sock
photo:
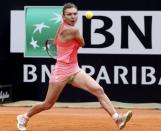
[115, 116]
[26, 116]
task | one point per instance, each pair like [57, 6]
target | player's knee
[99, 92]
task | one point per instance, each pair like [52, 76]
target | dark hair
[69, 5]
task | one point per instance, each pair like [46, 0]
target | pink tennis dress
[67, 63]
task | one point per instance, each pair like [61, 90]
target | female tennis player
[68, 40]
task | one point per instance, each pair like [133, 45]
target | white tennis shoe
[123, 119]
[22, 122]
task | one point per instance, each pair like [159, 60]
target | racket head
[51, 48]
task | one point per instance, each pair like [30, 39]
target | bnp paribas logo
[41, 23]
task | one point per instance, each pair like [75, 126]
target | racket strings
[47, 45]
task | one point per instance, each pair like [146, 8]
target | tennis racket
[51, 48]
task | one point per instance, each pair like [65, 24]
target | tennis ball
[89, 14]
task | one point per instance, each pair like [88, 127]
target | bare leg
[53, 93]
[107, 105]
[85, 82]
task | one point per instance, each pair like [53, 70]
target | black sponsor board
[127, 78]
[124, 78]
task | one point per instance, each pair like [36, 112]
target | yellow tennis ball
[89, 14]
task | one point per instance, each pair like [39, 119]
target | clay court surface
[79, 119]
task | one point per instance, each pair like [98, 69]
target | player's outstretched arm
[70, 33]
[79, 38]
